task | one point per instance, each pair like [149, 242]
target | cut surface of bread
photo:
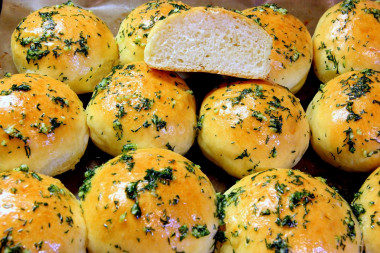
[212, 40]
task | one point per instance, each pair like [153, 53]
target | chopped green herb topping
[158, 122]
[375, 12]
[233, 196]
[220, 205]
[129, 147]
[86, 186]
[200, 122]
[163, 176]
[349, 222]
[242, 155]
[358, 209]
[349, 140]
[135, 210]
[286, 221]
[199, 231]
[21, 87]
[183, 231]
[347, 6]
[300, 198]
[279, 245]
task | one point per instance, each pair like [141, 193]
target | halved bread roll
[292, 50]
[135, 28]
[212, 40]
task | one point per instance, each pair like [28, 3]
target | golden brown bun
[284, 210]
[42, 124]
[253, 125]
[144, 106]
[211, 40]
[67, 43]
[367, 207]
[38, 214]
[292, 50]
[344, 121]
[149, 200]
[135, 28]
[347, 38]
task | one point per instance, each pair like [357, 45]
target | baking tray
[113, 12]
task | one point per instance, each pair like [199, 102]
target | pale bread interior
[210, 40]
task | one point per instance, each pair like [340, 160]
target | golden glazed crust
[344, 121]
[134, 30]
[144, 106]
[149, 200]
[292, 50]
[252, 125]
[367, 207]
[67, 43]
[286, 210]
[42, 124]
[347, 38]
[38, 214]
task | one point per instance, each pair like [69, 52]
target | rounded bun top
[347, 38]
[65, 42]
[144, 106]
[344, 121]
[149, 200]
[38, 214]
[42, 124]
[134, 30]
[292, 49]
[252, 125]
[367, 208]
[286, 210]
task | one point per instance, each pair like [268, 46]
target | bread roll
[149, 200]
[136, 26]
[42, 124]
[253, 125]
[366, 205]
[67, 43]
[211, 40]
[139, 105]
[344, 121]
[292, 50]
[284, 210]
[38, 214]
[347, 38]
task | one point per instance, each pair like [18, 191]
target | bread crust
[292, 50]
[287, 210]
[367, 208]
[346, 38]
[42, 124]
[344, 121]
[38, 214]
[143, 106]
[176, 209]
[135, 28]
[253, 125]
[67, 43]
